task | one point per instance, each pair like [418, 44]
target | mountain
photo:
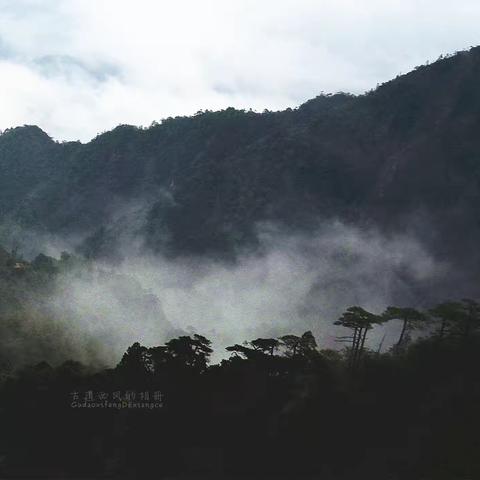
[402, 157]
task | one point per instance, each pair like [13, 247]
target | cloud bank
[79, 67]
[292, 284]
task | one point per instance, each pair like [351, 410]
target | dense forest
[403, 157]
[273, 407]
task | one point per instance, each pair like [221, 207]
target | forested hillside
[403, 156]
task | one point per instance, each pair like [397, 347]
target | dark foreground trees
[359, 321]
[276, 407]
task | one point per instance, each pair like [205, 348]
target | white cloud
[78, 67]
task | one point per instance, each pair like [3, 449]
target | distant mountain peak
[27, 132]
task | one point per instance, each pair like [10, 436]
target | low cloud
[292, 284]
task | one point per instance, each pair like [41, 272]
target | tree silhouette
[359, 321]
[136, 361]
[191, 352]
[295, 345]
[291, 344]
[265, 345]
[450, 314]
[159, 357]
[410, 317]
[243, 351]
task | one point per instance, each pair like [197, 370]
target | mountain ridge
[399, 156]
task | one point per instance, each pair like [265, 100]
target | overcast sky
[79, 67]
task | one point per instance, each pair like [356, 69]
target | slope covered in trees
[403, 156]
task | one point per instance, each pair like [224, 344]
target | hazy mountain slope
[405, 155]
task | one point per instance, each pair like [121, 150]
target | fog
[292, 283]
